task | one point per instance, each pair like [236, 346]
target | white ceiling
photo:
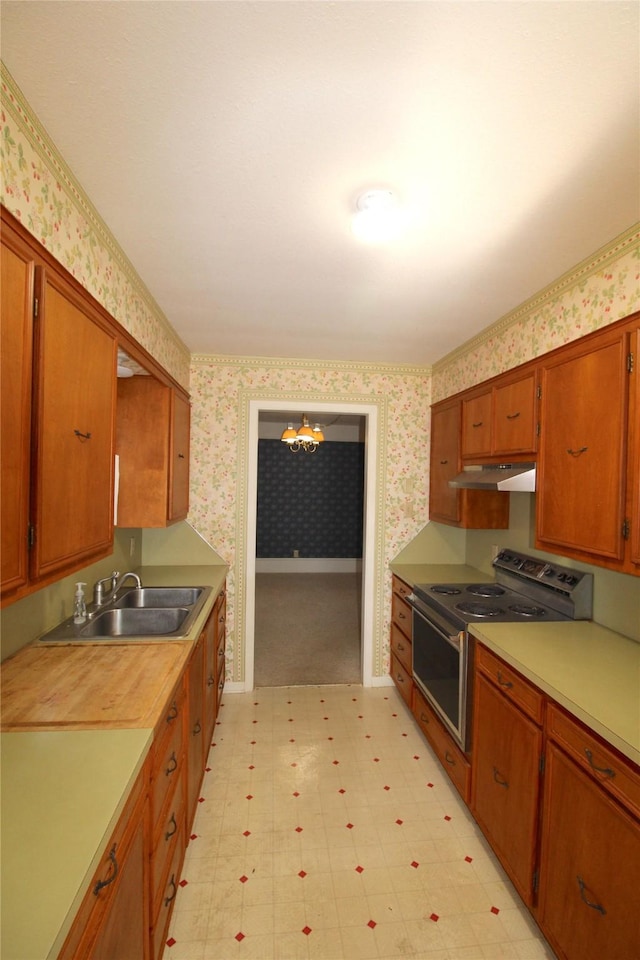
[225, 145]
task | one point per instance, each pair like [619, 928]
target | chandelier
[304, 438]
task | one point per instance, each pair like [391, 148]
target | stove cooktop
[473, 602]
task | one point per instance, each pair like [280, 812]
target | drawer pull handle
[400, 647]
[478, 424]
[170, 833]
[576, 453]
[173, 712]
[105, 883]
[402, 616]
[399, 678]
[172, 882]
[606, 772]
[181, 456]
[210, 681]
[171, 769]
[197, 728]
[585, 899]
[443, 463]
[423, 717]
[450, 759]
[499, 780]
[82, 436]
[513, 416]
[507, 684]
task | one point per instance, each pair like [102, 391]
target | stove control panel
[563, 579]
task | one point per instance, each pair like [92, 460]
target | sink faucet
[98, 588]
[116, 582]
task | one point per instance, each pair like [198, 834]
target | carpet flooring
[307, 629]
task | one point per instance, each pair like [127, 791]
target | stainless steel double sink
[157, 613]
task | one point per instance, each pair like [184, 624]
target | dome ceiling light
[378, 218]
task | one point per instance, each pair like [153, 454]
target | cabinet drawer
[515, 687]
[401, 615]
[402, 679]
[166, 840]
[400, 587]
[401, 647]
[619, 777]
[449, 754]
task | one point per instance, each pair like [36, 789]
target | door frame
[373, 410]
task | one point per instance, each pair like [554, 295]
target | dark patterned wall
[310, 502]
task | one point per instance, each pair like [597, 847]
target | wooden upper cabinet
[75, 404]
[582, 459]
[514, 416]
[476, 425]
[633, 485]
[16, 339]
[179, 457]
[152, 442]
[474, 509]
[500, 421]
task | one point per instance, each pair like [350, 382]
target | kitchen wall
[39, 188]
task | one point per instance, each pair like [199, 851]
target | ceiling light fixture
[304, 438]
[378, 218]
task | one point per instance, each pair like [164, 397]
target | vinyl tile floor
[327, 830]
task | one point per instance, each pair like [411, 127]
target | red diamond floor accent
[359, 869]
[239, 936]
[171, 942]
[447, 817]
[253, 743]
[434, 917]
[302, 874]
[298, 829]
[416, 757]
[201, 800]
[494, 910]
[251, 767]
[399, 822]
[243, 879]
[306, 931]
[429, 784]
[376, 759]
[372, 924]
[249, 796]
[296, 794]
[342, 790]
[387, 788]
[335, 762]
[415, 864]
[349, 826]
[194, 836]
[469, 859]
[247, 833]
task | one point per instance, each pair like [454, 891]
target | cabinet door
[505, 784]
[476, 426]
[178, 506]
[580, 497]
[210, 634]
[195, 732]
[514, 420]
[444, 501]
[589, 903]
[16, 360]
[76, 390]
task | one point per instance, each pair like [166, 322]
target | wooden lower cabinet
[113, 921]
[507, 748]
[401, 659]
[195, 728]
[451, 757]
[589, 904]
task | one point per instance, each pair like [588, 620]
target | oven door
[441, 667]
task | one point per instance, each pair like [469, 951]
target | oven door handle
[455, 641]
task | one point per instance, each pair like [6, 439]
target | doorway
[370, 414]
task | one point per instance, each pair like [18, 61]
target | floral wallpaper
[220, 387]
[603, 288]
[40, 191]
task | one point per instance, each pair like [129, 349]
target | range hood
[508, 476]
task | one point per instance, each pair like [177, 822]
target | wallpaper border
[24, 117]
[245, 396]
[295, 363]
[609, 253]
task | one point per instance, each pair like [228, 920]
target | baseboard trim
[308, 565]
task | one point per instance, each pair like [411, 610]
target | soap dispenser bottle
[79, 606]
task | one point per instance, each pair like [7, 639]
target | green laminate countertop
[591, 671]
[62, 795]
[413, 573]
